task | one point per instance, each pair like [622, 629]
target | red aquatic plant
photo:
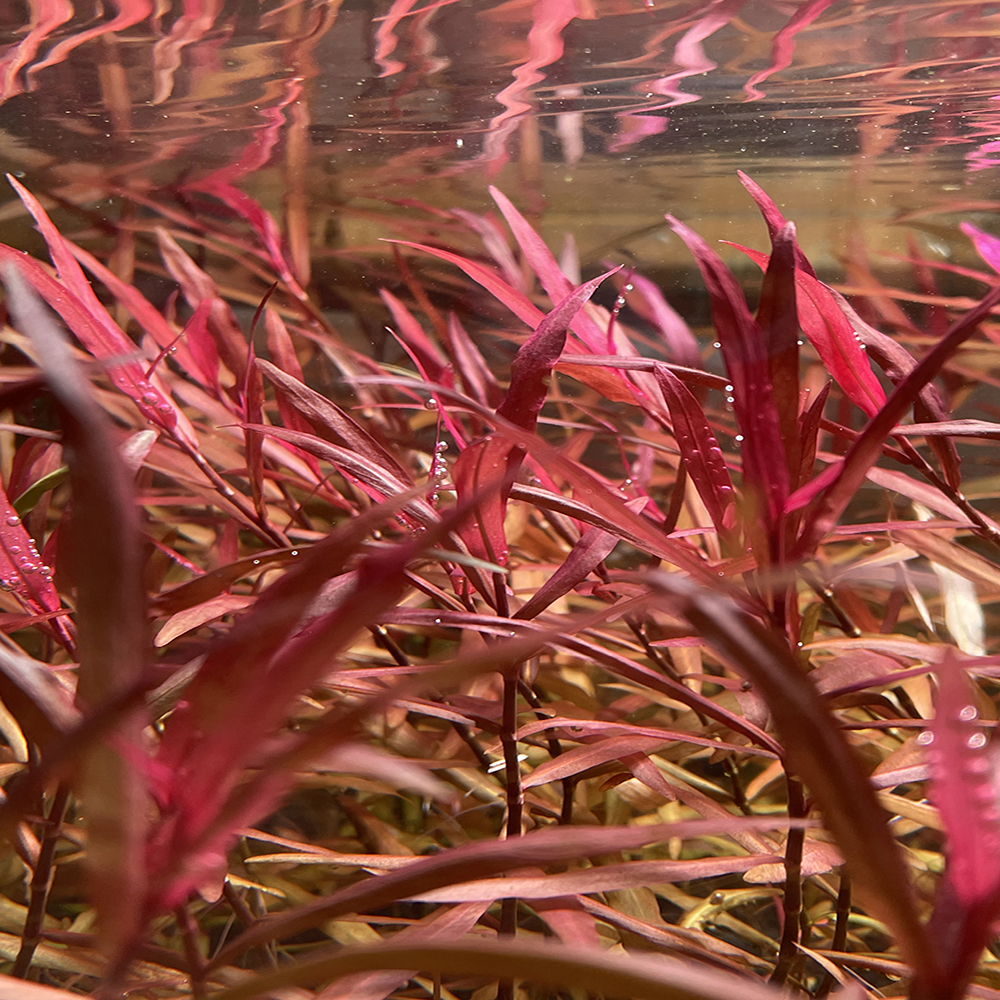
[594, 627]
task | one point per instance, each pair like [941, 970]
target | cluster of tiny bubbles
[439, 471]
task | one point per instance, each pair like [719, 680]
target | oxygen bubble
[148, 398]
[14, 550]
[968, 713]
[926, 738]
[13, 520]
[431, 404]
[437, 621]
[8, 584]
[441, 446]
[976, 740]
[165, 408]
[28, 567]
[256, 562]
[45, 571]
[294, 552]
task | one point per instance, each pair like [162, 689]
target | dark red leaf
[111, 622]
[700, 452]
[532, 365]
[745, 351]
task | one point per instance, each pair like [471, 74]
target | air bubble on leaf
[165, 408]
[28, 567]
[976, 741]
[8, 583]
[437, 621]
[14, 550]
[256, 562]
[441, 446]
[294, 552]
[148, 398]
[926, 738]
[968, 713]
[431, 404]
[45, 571]
[13, 520]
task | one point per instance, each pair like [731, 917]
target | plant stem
[41, 883]
[788, 951]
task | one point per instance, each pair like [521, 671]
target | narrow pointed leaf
[632, 976]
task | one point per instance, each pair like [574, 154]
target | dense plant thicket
[546, 660]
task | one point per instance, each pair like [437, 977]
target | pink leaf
[987, 245]
[631, 875]
[964, 787]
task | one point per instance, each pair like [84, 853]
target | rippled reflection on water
[597, 115]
